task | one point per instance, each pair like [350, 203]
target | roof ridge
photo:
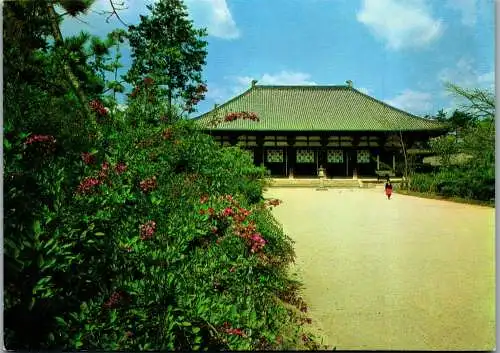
[302, 86]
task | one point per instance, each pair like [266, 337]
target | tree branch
[70, 76]
[114, 12]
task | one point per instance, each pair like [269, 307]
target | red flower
[241, 115]
[103, 173]
[167, 134]
[40, 138]
[120, 168]
[115, 300]
[149, 184]
[257, 243]
[228, 211]
[203, 199]
[105, 166]
[98, 108]
[88, 158]
[235, 331]
[211, 211]
[147, 230]
[87, 185]
[273, 202]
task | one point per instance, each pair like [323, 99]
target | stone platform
[328, 183]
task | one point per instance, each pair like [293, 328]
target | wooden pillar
[317, 161]
[347, 163]
[378, 161]
[286, 161]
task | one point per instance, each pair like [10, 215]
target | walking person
[388, 188]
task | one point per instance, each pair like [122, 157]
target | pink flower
[147, 230]
[88, 158]
[87, 185]
[120, 168]
[149, 184]
[40, 138]
[228, 211]
[98, 107]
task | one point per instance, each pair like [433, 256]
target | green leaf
[36, 227]
[195, 329]
[114, 316]
[99, 234]
[185, 323]
[60, 321]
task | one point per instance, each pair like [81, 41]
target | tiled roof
[314, 108]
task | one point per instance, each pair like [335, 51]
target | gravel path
[409, 273]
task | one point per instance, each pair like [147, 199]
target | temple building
[295, 130]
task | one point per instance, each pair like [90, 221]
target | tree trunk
[70, 76]
[406, 162]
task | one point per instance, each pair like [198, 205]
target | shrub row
[475, 184]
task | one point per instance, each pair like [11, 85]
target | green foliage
[186, 287]
[167, 48]
[467, 157]
[120, 235]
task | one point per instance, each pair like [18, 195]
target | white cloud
[281, 78]
[212, 14]
[365, 90]
[468, 9]
[401, 24]
[466, 75]
[238, 84]
[215, 16]
[413, 102]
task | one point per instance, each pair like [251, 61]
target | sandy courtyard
[408, 273]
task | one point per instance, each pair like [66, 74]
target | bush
[457, 182]
[155, 239]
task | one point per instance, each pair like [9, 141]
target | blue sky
[398, 51]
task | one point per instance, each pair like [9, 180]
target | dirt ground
[409, 273]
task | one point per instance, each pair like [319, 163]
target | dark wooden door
[351, 162]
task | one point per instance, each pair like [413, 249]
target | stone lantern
[322, 176]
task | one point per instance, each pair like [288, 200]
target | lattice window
[363, 156]
[275, 156]
[335, 156]
[305, 156]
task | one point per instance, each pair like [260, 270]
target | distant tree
[480, 103]
[168, 49]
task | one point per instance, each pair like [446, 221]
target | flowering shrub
[241, 115]
[217, 120]
[194, 96]
[88, 158]
[119, 261]
[87, 185]
[98, 108]
[40, 139]
[147, 230]
[148, 184]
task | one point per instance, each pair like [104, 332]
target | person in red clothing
[388, 188]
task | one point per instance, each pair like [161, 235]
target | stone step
[329, 183]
